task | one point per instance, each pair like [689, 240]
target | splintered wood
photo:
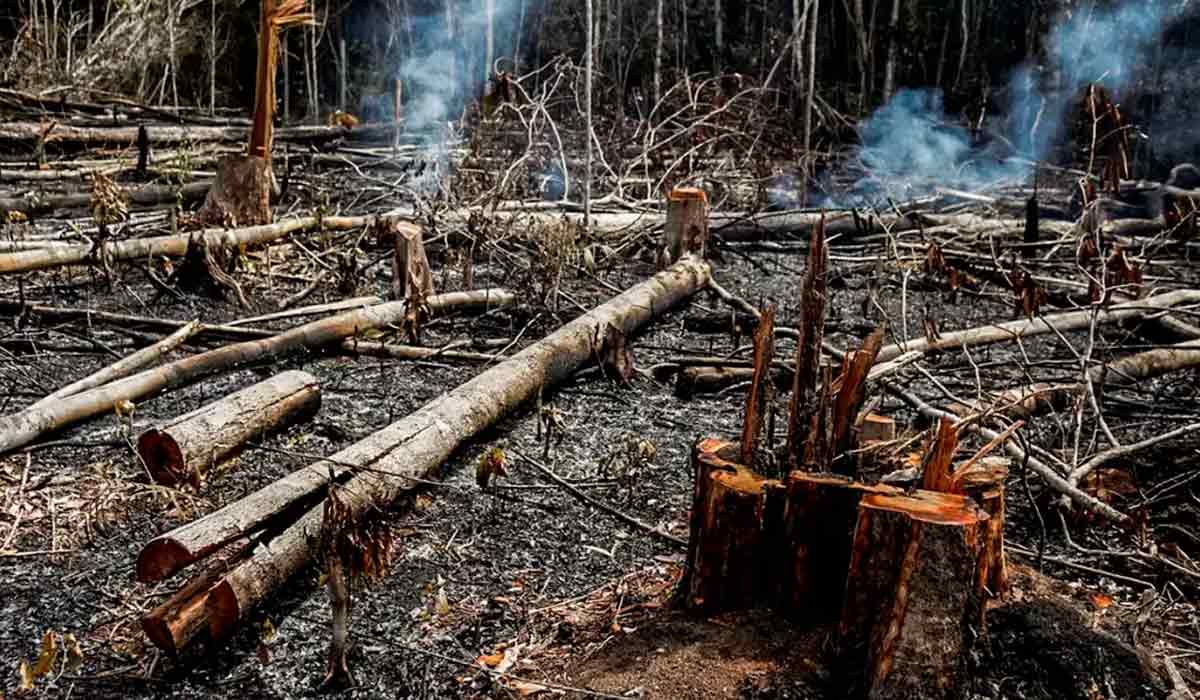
[761, 386]
[808, 346]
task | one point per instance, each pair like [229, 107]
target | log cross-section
[186, 448]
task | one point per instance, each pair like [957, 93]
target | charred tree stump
[912, 600]
[687, 223]
[411, 276]
[727, 565]
[185, 449]
[815, 531]
[203, 270]
[756, 541]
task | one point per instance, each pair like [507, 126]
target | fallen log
[28, 134]
[178, 619]
[146, 195]
[1026, 328]
[176, 246]
[185, 449]
[124, 367]
[912, 604]
[1127, 371]
[409, 448]
[21, 428]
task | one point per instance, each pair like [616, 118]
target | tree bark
[186, 448]
[21, 428]
[686, 229]
[1014, 330]
[410, 448]
[893, 51]
[658, 54]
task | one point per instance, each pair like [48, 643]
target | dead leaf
[526, 689]
[490, 660]
[74, 653]
[441, 603]
[1101, 601]
[267, 633]
[46, 658]
[26, 674]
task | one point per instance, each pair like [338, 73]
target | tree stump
[757, 541]
[240, 194]
[726, 563]
[814, 533]
[984, 482]
[687, 223]
[912, 600]
[411, 276]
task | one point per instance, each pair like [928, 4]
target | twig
[623, 517]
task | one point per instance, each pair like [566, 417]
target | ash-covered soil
[565, 595]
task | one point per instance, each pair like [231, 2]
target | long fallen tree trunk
[177, 245]
[21, 428]
[416, 445]
[410, 448]
[125, 366]
[147, 195]
[28, 134]
[1126, 371]
[1022, 328]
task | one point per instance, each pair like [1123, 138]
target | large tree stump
[912, 600]
[240, 194]
[184, 449]
[687, 223]
[757, 541]
[727, 566]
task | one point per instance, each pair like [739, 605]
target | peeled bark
[21, 428]
[912, 604]
[412, 447]
[186, 448]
